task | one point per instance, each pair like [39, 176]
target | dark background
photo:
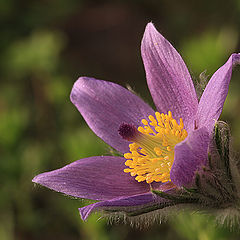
[45, 46]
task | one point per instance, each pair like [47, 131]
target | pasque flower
[166, 153]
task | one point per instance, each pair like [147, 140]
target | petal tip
[85, 211]
[82, 215]
[73, 95]
[35, 179]
[150, 28]
[236, 58]
[150, 25]
[38, 178]
[77, 86]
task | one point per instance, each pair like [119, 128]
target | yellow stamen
[152, 152]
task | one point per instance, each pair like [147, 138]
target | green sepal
[197, 180]
[226, 153]
[200, 190]
[210, 161]
[217, 138]
[222, 140]
[176, 198]
[150, 209]
[141, 210]
[190, 190]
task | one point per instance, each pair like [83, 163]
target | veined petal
[97, 178]
[189, 156]
[105, 106]
[168, 78]
[127, 204]
[215, 93]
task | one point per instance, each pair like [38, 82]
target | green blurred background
[45, 46]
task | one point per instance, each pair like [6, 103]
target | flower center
[152, 151]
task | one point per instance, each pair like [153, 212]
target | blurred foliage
[208, 51]
[194, 226]
[40, 51]
[45, 45]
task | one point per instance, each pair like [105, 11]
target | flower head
[163, 152]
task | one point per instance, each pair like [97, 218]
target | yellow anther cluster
[151, 155]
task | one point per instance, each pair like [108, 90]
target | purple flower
[165, 151]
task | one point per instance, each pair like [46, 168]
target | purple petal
[168, 78]
[213, 98]
[189, 156]
[105, 106]
[128, 204]
[97, 178]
